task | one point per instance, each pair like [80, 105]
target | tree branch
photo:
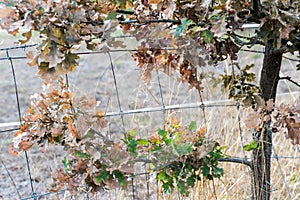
[151, 21]
[237, 160]
[127, 12]
[252, 51]
[289, 79]
[280, 50]
[291, 59]
[239, 41]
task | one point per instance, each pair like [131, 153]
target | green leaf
[73, 4]
[183, 189]
[142, 142]
[193, 126]
[217, 172]
[66, 165]
[156, 148]
[207, 35]
[166, 180]
[112, 16]
[103, 175]
[167, 188]
[162, 176]
[120, 177]
[251, 146]
[90, 45]
[81, 155]
[184, 149]
[164, 135]
[132, 133]
[205, 170]
[191, 181]
[184, 25]
[132, 146]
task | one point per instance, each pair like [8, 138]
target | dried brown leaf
[293, 131]
[154, 1]
[34, 61]
[253, 120]
[270, 105]
[25, 145]
[73, 130]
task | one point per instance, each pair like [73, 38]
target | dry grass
[94, 78]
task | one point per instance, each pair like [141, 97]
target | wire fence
[163, 108]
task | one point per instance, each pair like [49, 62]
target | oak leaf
[253, 120]
[25, 145]
[73, 130]
[293, 131]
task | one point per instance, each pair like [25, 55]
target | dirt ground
[94, 78]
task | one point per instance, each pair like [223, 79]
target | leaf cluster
[57, 117]
[240, 86]
[179, 155]
[282, 119]
[62, 26]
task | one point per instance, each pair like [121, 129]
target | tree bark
[261, 160]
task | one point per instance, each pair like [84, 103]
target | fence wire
[202, 105]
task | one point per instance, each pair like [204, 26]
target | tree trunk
[261, 160]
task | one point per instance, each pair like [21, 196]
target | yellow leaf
[99, 114]
[27, 35]
[57, 32]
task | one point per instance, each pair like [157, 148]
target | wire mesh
[163, 108]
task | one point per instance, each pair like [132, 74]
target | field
[94, 78]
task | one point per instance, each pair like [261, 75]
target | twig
[138, 22]
[289, 79]
[291, 59]
[127, 12]
[239, 41]
[253, 51]
[257, 51]
[252, 40]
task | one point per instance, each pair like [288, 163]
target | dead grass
[94, 78]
